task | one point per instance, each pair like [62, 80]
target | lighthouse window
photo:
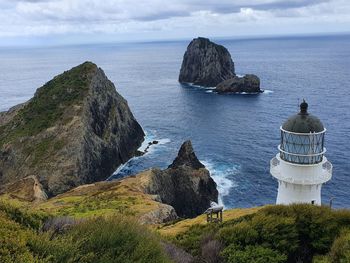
[302, 148]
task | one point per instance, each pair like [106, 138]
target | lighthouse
[301, 167]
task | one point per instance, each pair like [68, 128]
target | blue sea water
[234, 135]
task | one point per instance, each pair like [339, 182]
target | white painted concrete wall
[293, 193]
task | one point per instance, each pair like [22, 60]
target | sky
[50, 22]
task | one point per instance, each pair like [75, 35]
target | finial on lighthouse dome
[303, 108]
[303, 122]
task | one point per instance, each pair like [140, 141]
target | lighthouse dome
[303, 122]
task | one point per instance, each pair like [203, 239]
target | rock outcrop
[164, 213]
[206, 63]
[249, 83]
[210, 65]
[26, 189]
[186, 184]
[76, 129]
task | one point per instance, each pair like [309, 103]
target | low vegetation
[274, 234]
[103, 198]
[297, 233]
[100, 239]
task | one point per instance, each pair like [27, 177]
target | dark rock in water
[76, 129]
[206, 63]
[249, 84]
[186, 185]
[140, 153]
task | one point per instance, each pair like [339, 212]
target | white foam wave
[221, 174]
[266, 91]
[149, 137]
[199, 86]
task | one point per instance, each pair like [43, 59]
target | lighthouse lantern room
[300, 166]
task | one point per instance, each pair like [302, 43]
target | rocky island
[210, 65]
[76, 129]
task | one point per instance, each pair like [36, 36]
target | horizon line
[180, 39]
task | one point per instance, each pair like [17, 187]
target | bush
[13, 242]
[340, 251]
[292, 233]
[22, 216]
[114, 239]
[253, 254]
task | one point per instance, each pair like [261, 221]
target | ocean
[235, 136]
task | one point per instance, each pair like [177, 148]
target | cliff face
[206, 63]
[76, 129]
[186, 185]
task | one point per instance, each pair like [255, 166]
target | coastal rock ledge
[76, 129]
[210, 65]
[249, 84]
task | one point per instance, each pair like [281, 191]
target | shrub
[114, 239]
[253, 254]
[23, 216]
[340, 251]
[292, 233]
[13, 242]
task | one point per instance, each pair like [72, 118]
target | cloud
[177, 17]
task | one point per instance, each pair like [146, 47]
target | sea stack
[76, 129]
[206, 63]
[186, 184]
[210, 65]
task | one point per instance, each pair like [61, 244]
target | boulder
[206, 63]
[26, 189]
[76, 129]
[165, 213]
[249, 83]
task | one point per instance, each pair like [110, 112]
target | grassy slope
[103, 198]
[274, 233]
[48, 105]
[171, 230]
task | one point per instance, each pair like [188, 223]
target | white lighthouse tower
[300, 166]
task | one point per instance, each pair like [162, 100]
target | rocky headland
[210, 65]
[75, 130]
[183, 190]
